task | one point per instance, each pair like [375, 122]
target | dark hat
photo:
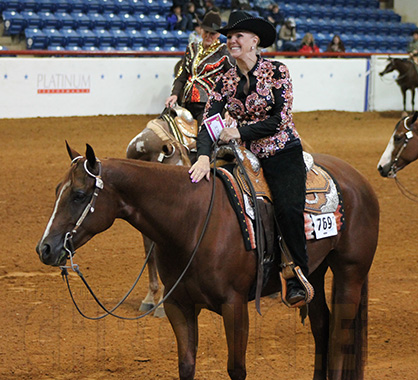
[211, 22]
[240, 20]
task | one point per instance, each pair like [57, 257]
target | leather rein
[69, 248]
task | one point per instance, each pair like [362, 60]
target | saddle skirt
[322, 194]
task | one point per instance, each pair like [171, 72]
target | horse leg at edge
[236, 322]
[184, 323]
[413, 100]
[149, 301]
[319, 318]
[345, 351]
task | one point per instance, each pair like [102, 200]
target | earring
[252, 47]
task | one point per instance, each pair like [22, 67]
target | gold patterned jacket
[199, 71]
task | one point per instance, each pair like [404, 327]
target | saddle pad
[236, 200]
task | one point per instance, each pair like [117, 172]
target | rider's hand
[229, 134]
[171, 101]
[200, 169]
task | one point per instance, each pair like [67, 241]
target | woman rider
[202, 63]
[258, 95]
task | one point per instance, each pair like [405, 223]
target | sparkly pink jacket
[264, 113]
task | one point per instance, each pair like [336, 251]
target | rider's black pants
[285, 174]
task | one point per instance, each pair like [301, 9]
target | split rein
[69, 248]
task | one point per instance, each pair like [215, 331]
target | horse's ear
[91, 157]
[71, 152]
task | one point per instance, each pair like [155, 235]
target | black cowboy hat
[240, 20]
[211, 22]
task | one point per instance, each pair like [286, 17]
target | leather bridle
[408, 136]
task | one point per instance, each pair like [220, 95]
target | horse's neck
[154, 198]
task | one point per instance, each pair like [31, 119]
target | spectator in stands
[263, 7]
[308, 44]
[275, 16]
[336, 45]
[413, 47]
[196, 35]
[210, 6]
[286, 40]
[200, 7]
[174, 18]
[202, 63]
[191, 17]
[243, 5]
[178, 20]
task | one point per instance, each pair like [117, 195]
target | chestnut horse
[402, 148]
[156, 143]
[407, 79]
[150, 197]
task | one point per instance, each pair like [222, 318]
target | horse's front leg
[413, 100]
[149, 301]
[235, 317]
[184, 323]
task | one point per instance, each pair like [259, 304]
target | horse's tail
[354, 362]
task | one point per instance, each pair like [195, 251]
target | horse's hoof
[159, 312]
[146, 306]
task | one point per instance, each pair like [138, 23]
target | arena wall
[41, 87]
[408, 9]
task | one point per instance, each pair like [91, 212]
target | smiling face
[242, 44]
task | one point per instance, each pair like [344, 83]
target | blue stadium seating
[35, 39]
[138, 39]
[104, 38]
[72, 37]
[108, 6]
[378, 28]
[49, 20]
[130, 21]
[81, 20]
[120, 38]
[65, 20]
[13, 22]
[45, 5]
[62, 6]
[88, 38]
[97, 20]
[92, 6]
[113, 21]
[28, 5]
[32, 19]
[54, 36]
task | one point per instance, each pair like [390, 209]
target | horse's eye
[397, 138]
[79, 196]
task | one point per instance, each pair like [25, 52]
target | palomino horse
[157, 143]
[150, 197]
[402, 148]
[407, 79]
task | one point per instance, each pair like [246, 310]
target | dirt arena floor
[43, 337]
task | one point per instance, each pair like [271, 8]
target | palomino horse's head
[71, 224]
[402, 148]
[156, 144]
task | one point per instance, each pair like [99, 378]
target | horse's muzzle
[48, 257]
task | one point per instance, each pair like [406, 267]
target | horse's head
[74, 219]
[402, 148]
[389, 67]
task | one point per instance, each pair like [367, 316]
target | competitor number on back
[325, 225]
